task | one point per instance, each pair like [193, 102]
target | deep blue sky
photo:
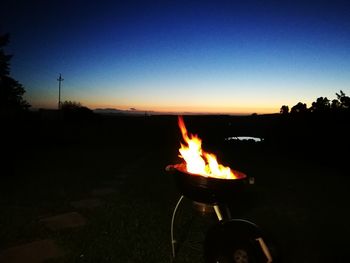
[212, 56]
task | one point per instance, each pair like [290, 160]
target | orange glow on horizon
[171, 109]
[204, 103]
[200, 108]
[163, 107]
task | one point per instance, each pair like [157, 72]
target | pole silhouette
[60, 79]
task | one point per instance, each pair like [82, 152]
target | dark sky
[216, 56]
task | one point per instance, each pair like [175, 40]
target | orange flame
[197, 160]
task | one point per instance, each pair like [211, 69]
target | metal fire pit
[208, 190]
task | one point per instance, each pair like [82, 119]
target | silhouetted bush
[75, 111]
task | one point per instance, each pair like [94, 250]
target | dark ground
[300, 198]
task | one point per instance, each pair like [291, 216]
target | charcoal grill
[230, 240]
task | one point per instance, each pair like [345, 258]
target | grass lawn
[301, 205]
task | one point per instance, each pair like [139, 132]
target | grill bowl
[208, 190]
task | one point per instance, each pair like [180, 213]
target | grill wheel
[240, 256]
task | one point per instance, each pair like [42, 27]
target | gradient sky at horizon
[199, 56]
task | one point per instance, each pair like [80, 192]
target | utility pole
[60, 79]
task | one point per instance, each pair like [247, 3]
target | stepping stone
[87, 203]
[68, 220]
[34, 252]
[103, 191]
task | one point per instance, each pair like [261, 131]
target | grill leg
[173, 241]
[218, 212]
[265, 249]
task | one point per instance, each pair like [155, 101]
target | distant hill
[112, 111]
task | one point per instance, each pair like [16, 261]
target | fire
[197, 160]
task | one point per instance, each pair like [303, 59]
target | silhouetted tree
[335, 105]
[320, 105]
[299, 108]
[344, 100]
[11, 91]
[284, 109]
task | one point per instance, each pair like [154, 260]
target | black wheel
[240, 256]
[235, 241]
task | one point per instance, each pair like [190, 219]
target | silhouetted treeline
[321, 105]
[320, 132]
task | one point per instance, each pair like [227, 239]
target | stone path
[42, 250]
[34, 252]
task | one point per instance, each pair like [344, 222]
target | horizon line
[116, 111]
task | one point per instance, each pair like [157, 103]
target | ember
[198, 161]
